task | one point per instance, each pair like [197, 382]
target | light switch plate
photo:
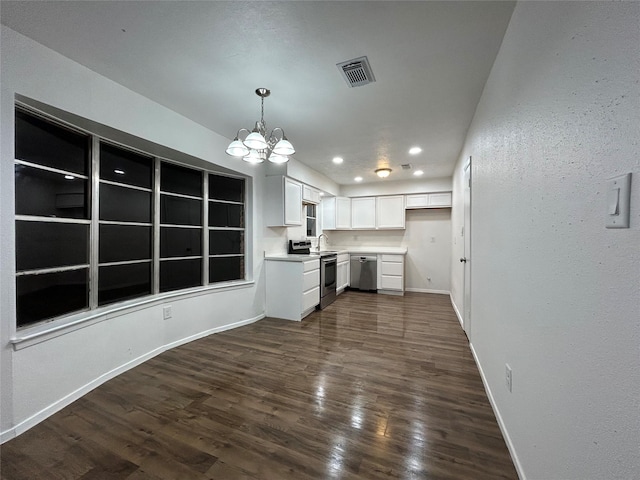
[618, 198]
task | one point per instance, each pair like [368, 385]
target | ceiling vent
[406, 166]
[357, 72]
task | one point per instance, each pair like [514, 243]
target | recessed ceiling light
[119, 172]
[358, 179]
[69, 177]
[415, 150]
[417, 173]
[338, 160]
[322, 194]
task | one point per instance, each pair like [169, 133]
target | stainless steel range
[328, 269]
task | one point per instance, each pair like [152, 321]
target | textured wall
[554, 293]
[36, 379]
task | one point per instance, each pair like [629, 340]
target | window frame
[96, 312]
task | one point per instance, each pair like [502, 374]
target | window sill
[42, 332]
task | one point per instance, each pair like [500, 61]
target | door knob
[463, 260]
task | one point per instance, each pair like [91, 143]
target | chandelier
[255, 146]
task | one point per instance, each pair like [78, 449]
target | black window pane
[182, 180]
[224, 269]
[47, 194]
[177, 274]
[45, 245]
[223, 242]
[180, 211]
[45, 143]
[119, 243]
[226, 188]
[180, 242]
[123, 204]
[123, 166]
[49, 295]
[311, 227]
[122, 282]
[226, 215]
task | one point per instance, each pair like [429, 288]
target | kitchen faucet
[319, 239]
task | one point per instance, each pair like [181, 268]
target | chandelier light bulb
[284, 147]
[256, 141]
[253, 157]
[276, 158]
[237, 149]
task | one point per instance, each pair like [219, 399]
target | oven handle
[328, 261]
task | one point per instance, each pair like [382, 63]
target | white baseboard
[503, 428]
[75, 395]
[455, 309]
[427, 290]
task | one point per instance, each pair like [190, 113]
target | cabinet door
[328, 213]
[292, 202]
[310, 195]
[420, 200]
[440, 199]
[390, 212]
[363, 212]
[343, 213]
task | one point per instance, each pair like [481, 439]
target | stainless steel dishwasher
[364, 272]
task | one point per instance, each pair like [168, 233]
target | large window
[181, 226]
[226, 228]
[125, 225]
[98, 223]
[52, 219]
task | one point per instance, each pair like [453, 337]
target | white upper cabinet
[390, 212]
[440, 199]
[336, 213]
[429, 200]
[310, 194]
[363, 213]
[283, 205]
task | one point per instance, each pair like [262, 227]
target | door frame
[466, 291]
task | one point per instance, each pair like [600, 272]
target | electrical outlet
[166, 312]
[508, 377]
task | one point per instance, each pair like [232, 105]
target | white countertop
[284, 257]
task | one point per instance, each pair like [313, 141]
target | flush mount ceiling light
[383, 172]
[414, 150]
[255, 146]
[358, 179]
[417, 173]
[338, 160]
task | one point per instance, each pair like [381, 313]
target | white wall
[554, 293]
[42, 377]
[427, 237]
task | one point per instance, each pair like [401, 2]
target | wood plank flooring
[373, 387]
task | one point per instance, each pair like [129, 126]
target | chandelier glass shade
[256, 146]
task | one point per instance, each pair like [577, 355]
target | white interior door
[466, 259]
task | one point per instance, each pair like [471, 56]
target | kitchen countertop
[284, 257]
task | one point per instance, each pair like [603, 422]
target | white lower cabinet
[293, 288]
[342, 272]
[391, 274]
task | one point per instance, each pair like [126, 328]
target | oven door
[328, 271]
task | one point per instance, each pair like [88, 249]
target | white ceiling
[205, 59]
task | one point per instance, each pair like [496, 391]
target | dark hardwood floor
[373, 387]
